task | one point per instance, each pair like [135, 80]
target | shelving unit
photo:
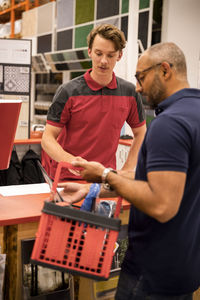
[45, 88]
[14, 12]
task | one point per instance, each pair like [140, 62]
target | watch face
[105, 173]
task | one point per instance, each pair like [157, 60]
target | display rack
[45, 88]
[14, 12]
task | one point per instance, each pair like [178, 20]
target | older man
[163, 257]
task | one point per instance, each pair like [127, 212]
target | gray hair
[171, 53]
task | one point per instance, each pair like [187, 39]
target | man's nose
[104, 59]
[138, 87]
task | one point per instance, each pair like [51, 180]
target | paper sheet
[25, 189]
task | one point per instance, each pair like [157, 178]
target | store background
[58, 31]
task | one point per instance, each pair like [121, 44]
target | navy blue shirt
[168, 254]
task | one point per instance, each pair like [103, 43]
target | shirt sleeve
[59, 112]
[136, 117]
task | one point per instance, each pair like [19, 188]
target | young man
[88, 112]
[163, 258]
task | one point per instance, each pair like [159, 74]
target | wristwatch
[105, 174]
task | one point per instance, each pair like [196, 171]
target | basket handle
[118, 207]
[61, 164]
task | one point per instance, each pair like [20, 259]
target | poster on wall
[15, 78]
[15, 51]
[15, 66]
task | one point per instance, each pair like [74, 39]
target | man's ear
[166, 70]
[89, 52]
[120, 55]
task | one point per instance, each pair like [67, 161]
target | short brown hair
[109, 32]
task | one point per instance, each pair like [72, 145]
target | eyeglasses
[137, 75]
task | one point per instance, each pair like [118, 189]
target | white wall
[121, 66]
[181, 24]
[126, 67]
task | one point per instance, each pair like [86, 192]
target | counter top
[21, 209]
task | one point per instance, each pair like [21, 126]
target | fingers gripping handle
[61, 164]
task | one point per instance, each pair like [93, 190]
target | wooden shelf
[14, 12]
[16, 6]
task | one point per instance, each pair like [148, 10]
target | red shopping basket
[76, 241]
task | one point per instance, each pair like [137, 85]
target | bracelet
[105, 174]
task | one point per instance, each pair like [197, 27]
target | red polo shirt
[91, 118]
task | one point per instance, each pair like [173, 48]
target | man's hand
[74, 171]
[73, 192]
[92, 171]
